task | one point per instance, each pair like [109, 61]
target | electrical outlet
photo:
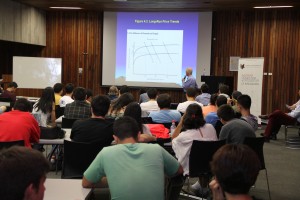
[80, 70]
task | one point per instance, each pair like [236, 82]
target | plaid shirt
[77, 110]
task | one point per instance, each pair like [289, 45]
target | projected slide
[154, 55]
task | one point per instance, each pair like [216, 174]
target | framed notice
[234, 63]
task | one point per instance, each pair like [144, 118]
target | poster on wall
[250, 78]
[234, 63]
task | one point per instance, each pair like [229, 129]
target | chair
[200, 157]
[286, 127]
[59, 111]
[5, 145]
[67, 123]
[218, 126]
[257, 145]
[147, 120]
[77, 158]
[173, 106]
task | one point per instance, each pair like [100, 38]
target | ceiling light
[273, 7]
[70, 8]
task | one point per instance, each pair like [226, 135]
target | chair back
[257, 144]
[173, 106]
[59, 111]
[147, 120]
[218, 126]
[77, 158]
[67, 123]
[201, 155]
[5, 145]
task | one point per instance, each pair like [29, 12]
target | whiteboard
[36, 72]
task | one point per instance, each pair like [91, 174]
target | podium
[214, 81]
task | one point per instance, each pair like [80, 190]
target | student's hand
[216, 190]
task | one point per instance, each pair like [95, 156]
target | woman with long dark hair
[44, 108]
[195, 128]
[117, 109]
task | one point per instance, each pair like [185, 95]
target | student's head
[152, 93]
[79, 94]
[58, 88]
[89, 95]
[224, 89]
[193, 118]
[23, 104]
[235, 167]
[213, 99]
[126, 127]
[69, 88]
[204, 88]
[134, 110]
[22, 173]
[100, 105]
[164, 101]
[124, 89]
[46, 101]
[142, 91]
[188, 71]
[13, 86]
[221, 100]
[244, 101]
[225, 113]
[113, 90]
[191, 92]
[122, 102]
[235, 94]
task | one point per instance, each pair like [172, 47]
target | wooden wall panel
[272, 34]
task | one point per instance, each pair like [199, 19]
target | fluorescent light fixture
[68, 8]
[273, 6]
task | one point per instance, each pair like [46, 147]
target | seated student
[19, 124]
[143, 96]
[211, 107]
[234, 96]
[10, 91]
[96, 128]
[236, 168]
[118, 107]
[22, 174]
[204, 97]
[278, 118]
[134, 110]
[224, 90]
[113, 93]
[164, 115]
[190, 96]
[67, 98]
[132, 170]
[150, 105]
[234, 130]
[195, 128]
[89, 95]
[58, 90]
[79, 109]
[212, 117]
[243, 106]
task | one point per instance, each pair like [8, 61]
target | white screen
[154, 49]
[35, 72]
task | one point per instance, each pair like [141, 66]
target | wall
[21, 23]
[272, 34]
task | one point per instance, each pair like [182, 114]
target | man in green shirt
[132, 170]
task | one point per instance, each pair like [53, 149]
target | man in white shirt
[190, 96]
[151, 105]
[67, 98]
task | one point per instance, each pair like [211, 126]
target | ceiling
[158, 5]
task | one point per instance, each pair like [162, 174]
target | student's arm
[178, 128]
[101, 184]
[53, 117]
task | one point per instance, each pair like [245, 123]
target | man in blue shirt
[189, 81]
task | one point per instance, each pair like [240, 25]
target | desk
[66, 189]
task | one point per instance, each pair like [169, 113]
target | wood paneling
[21, 23]
[272, 34]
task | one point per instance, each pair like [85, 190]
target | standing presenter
[189, 81]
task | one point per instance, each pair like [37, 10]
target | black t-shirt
[92, 130]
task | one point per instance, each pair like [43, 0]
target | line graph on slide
[154, 55]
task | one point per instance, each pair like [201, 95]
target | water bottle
[172, 128]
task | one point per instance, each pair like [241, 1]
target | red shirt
[18, 125]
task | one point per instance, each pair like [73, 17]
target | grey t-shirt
[235, 131]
